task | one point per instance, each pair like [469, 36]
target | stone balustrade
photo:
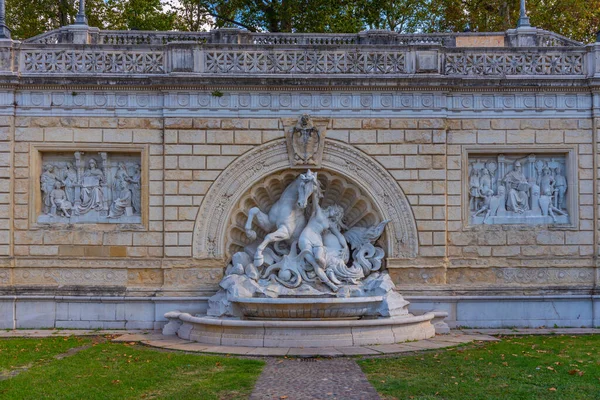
[533, 53]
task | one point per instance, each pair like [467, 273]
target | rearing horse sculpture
[286, 218]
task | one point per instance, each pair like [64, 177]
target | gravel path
[313, 379]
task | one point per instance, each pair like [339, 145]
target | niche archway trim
[391, 203]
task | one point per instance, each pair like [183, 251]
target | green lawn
[532, 367]
[121, 371]
[21, 352]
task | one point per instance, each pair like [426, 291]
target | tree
[577, 19]
[146, 15]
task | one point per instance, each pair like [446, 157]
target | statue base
[299, 333]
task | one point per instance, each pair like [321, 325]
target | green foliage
[143, 15]
[120, 371]
[534, 367]
[577, 19]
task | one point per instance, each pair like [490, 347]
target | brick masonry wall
[185, 155]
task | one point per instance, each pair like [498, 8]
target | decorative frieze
[87, 187]
[518, 189]
[235, 102]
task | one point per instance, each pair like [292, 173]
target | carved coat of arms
[305, 143]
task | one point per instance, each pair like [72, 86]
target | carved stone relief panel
[90, 187]
[519, 188]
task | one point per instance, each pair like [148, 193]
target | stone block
[363, 136]
[390, 136]
[117, 135]
[534, 123]
[58, 134]
[267, 136]
[29, 134]
[346, 123]
[103, 122]
[562, 123]
[147, 136]
[376, 123]
[43, 250]
[87, 135]
[549, 137]
[195, 136]
[374, 149]
[418, 136]
[403, 123]
[392, 162]
[341, 135]
[219, 136]
[34, 314]
[234, 123]
[491, 137]
[191, 162]
[248, 137]
[549, 237]
[7, 316]
[178, 251]
[520, 136]
[506, 251]
[147, 239]
[581, 238]
[578, 136]
[199, 188]
[404, 148]
[505, 124]
[118, 239]
[418, 162]
[219, 162]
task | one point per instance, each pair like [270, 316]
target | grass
[122, 371]
[531, 367]
[21, 352]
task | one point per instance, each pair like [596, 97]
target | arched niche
[345, 167]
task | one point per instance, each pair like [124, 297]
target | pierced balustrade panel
[92, 62]
[500, 64]
[305, 62]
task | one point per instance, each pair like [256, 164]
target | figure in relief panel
[47, 181]
[70, 180]
[560, 189]
[136, 189]
[120, 176]
[518, 190]
[123, 203]
[92, 197]
[59, 201]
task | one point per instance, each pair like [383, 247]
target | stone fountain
[311, 272]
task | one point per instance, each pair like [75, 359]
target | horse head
[308, 184]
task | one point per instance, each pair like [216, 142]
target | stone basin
[308, 308]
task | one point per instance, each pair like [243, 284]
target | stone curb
[175, 343]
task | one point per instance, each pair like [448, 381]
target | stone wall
[191, 125]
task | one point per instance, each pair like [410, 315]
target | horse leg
[262, 220]
[280, 234]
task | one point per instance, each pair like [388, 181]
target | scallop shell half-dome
[358, 208]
